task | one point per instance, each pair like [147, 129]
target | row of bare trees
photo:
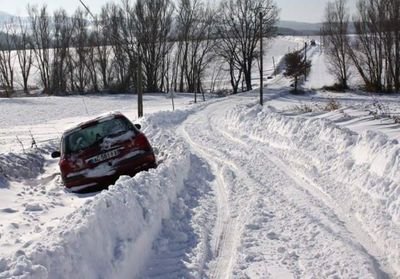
[373, 52]
[173, 43]
[238, 28]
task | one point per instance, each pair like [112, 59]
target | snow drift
[15, 166]
[360, 173]
[110, 236]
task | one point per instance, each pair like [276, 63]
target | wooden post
[273, 63]
[261, 61]
[305, 61]
[140, 84]
[172, 100]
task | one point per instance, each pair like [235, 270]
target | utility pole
[305, 61]
[261, 60]
[273, 63]
[320, 40]
[139, 85]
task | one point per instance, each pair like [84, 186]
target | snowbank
[15, 166]
[110, 236]
[360, 173]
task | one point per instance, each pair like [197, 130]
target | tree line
[173, 45]
[373, 52]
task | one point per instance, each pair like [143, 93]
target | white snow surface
[241, 191]
[117, 225]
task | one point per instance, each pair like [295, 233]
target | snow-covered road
[265, 220]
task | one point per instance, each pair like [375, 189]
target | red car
[95, 153]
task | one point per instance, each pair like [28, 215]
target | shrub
[332, 105]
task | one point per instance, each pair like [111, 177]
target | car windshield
[94, 134]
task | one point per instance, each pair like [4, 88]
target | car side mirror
[55, 154]
[138, 126]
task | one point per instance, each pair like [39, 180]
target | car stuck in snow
[95, 153]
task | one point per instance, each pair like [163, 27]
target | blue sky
[298, 10]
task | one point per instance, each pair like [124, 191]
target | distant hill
[287, 27]
[5, 16]
[284, 27]
[299, 26]
[302, 28]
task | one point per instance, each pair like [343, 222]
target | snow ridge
[360, 173]
[15, 166]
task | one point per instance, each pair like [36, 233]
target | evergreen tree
[296, 66]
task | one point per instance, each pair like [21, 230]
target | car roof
[100, 118]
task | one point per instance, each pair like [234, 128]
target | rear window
[94, 134]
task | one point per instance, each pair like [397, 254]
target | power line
[139, 89]
[87, 9]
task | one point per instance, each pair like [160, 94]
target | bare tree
[201, 51]
[238, 30]
[80, 56]
[152, 25]
[185, 22]
[118, 25]
[368, 51]
[61, 53]
[6, 59]
[195, 24]
[335, 31]
[391, 39]
[24, 52]
[41, 42]
[235, 69]
[101, 39]
[91, 61]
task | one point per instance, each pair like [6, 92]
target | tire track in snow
[182, 248]
[296, 199]
[225, 239]
[351, 224]
[228, 232]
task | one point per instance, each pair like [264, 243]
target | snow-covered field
[307, 186]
